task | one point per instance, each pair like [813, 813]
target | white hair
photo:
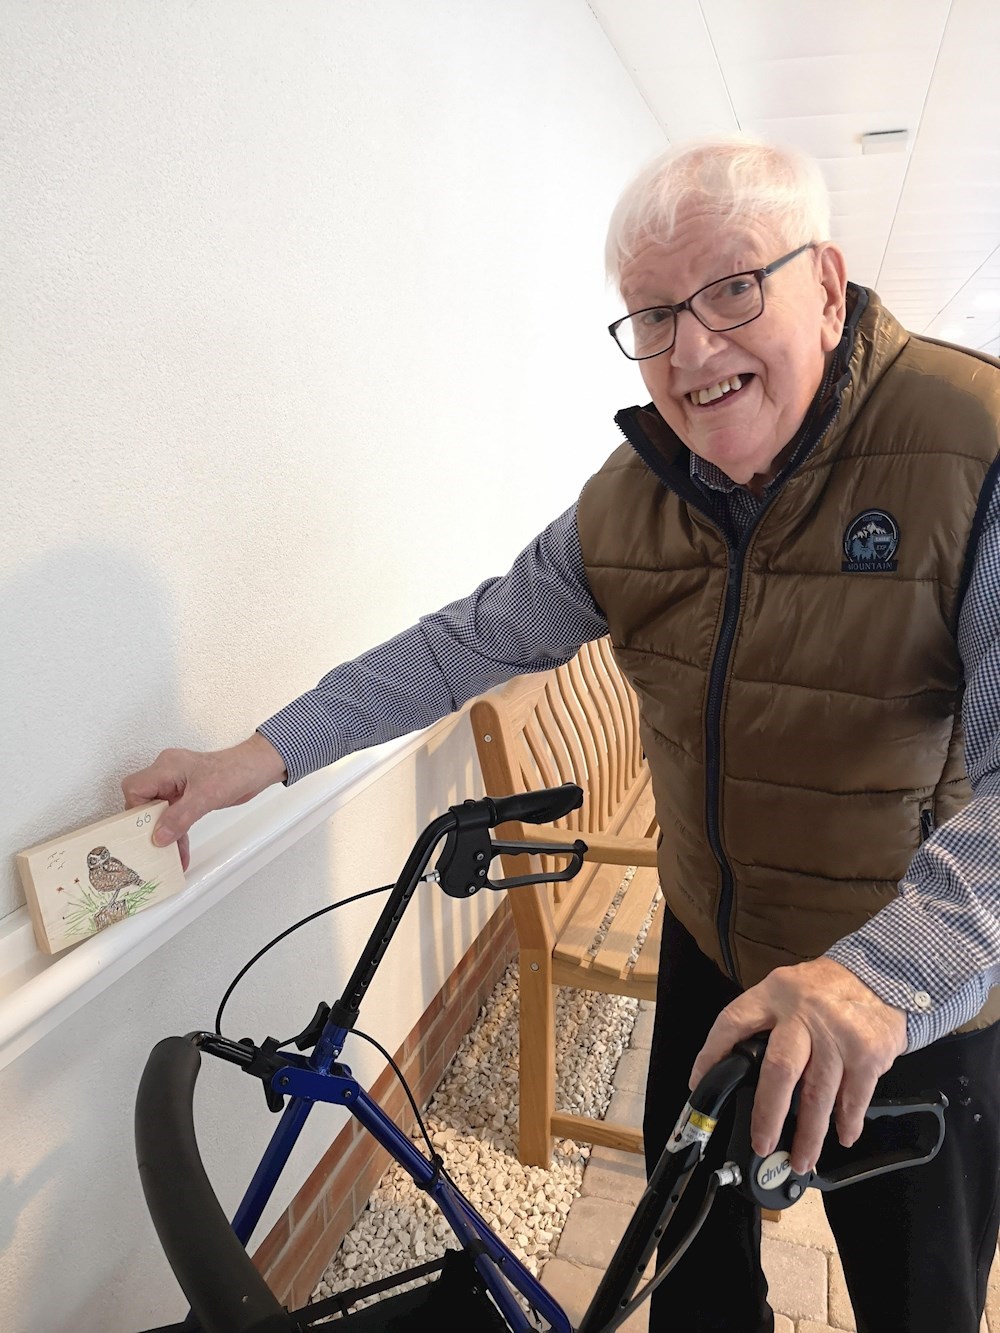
[733, 178]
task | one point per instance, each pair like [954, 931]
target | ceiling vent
[885, 141]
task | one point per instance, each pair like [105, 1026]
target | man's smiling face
[777, 360]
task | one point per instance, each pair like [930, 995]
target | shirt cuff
[302, 735]
[891, 955]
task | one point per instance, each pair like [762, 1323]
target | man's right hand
[195, 782]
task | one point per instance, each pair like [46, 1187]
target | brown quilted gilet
[800, 698]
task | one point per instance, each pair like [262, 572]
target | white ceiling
[921, 225]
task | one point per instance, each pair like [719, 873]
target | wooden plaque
[96, 876]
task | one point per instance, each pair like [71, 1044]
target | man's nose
[693, 343]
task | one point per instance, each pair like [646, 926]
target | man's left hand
[830, 1034]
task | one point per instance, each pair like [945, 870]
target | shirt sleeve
[934, 951]
[532, 619]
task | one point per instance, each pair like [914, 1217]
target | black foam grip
[539, 807]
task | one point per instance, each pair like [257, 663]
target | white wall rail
[38, 992]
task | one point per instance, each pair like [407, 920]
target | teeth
[701, 396]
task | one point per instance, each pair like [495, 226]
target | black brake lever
[575, 851]
[770, 1181]
[463, 867]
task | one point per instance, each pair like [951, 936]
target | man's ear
[833, 277]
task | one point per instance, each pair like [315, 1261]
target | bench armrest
[602, 847]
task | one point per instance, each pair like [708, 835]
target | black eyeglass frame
[758, 273]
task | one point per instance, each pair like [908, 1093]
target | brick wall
[305, 1238]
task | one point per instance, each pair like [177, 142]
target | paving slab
[804, 1224]
[841, 1313]
[592, 1231]
[992, 1315]
[612, 1174]
[797, 1279]
[642, 1031]
[626, 1108]
[630, 1076]
[573, 1285]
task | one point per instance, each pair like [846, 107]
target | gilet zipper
[719, 668]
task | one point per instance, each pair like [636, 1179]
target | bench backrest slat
[578, 723]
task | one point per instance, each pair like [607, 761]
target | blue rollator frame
[208, 1254]
[473, 1232]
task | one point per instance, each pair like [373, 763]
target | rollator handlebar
[537, 807]
[463, 866]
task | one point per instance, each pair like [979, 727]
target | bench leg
[538, 1058]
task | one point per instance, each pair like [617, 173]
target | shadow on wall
[87, 683]
[17, 1192]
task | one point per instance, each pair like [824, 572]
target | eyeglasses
[727, 303]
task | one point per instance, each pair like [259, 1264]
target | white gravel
[472, 1121]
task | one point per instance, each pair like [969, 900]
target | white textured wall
[302, 308]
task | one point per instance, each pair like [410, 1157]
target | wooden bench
[578, 723]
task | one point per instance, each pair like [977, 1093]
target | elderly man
[796, 554]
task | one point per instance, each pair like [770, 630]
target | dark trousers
[916, 1245]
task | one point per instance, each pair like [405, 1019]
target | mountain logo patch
[870, 542]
